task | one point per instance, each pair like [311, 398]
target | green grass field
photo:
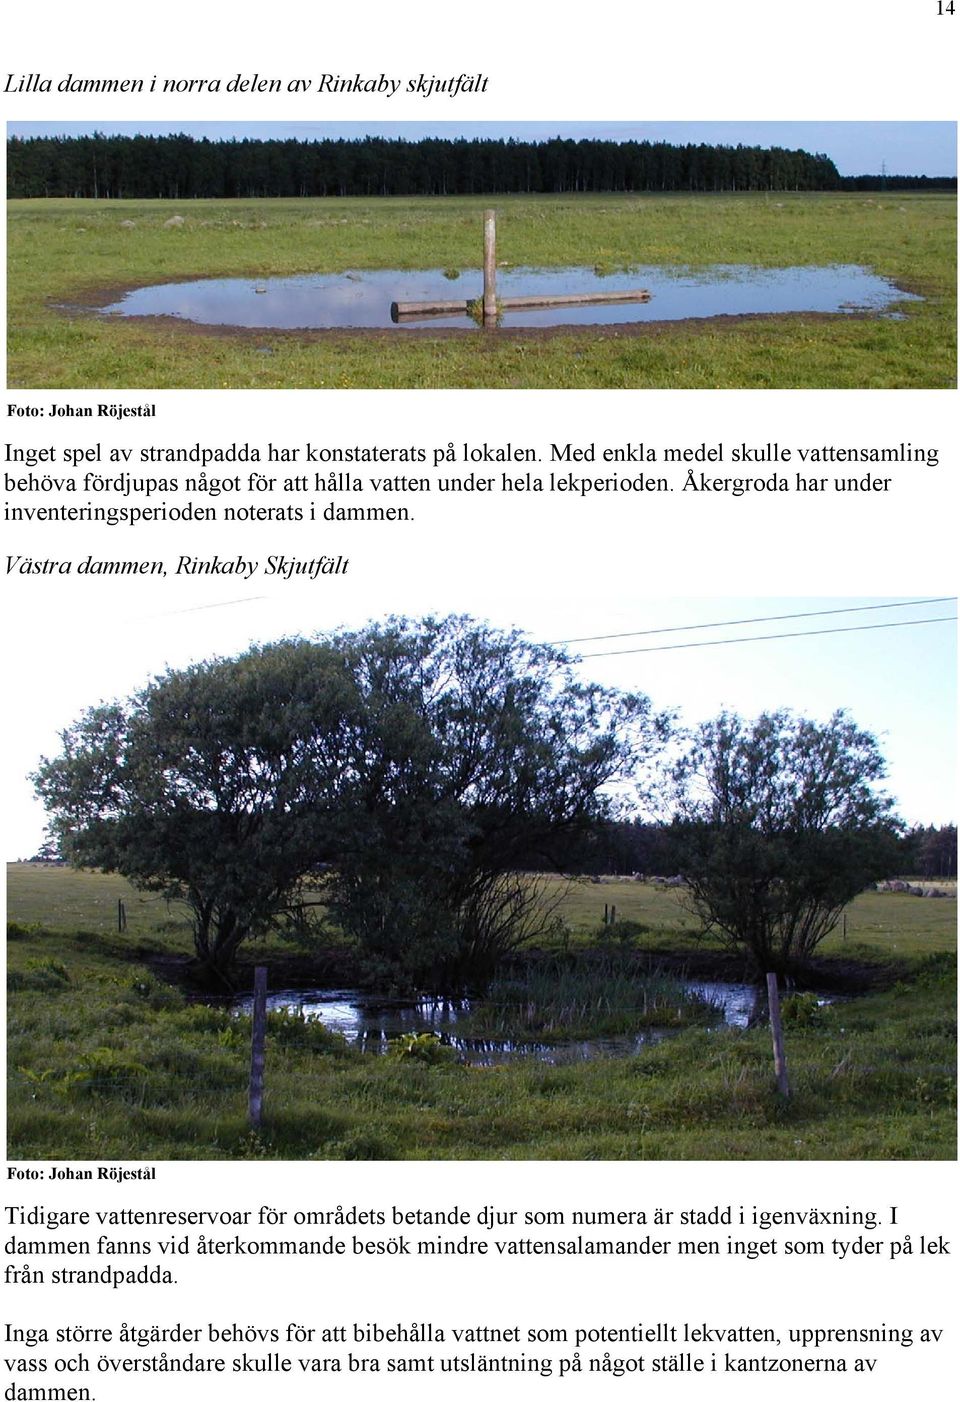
[71, 250]
[108, 1060]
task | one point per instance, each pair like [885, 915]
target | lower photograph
[433, 888]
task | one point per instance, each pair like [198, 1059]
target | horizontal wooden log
[398, 309]
[570, 299]
[575, 299]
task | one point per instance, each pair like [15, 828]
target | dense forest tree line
[930, 852]
[180, 167]
[919, 183]
[654, 849]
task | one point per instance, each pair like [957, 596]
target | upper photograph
[525, 255]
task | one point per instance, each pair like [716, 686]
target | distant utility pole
[883, 175]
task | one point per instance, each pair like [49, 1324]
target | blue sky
[857, 148]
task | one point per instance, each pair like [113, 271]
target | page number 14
[945, 7]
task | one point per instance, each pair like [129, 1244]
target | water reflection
[363, 299]
[370, 1022]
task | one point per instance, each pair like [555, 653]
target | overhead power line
[199, 608]
[769, 637]
[736, 622]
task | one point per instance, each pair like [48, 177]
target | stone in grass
[175, 222]
[127, 224]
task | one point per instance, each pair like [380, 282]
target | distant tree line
[656, 849]
[181, 167]
[930, 852]
[920, 183]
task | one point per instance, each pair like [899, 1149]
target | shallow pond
[370, 1022]
[364, 299]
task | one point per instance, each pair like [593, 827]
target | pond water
[370, 1022]
[364, 299]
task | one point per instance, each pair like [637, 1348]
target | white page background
[893, 62]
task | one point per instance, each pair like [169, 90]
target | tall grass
[583, 997]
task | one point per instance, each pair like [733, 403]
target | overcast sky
[857, 148]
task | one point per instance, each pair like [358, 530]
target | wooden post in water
[776, 1030]
[491, 307]
[489, 266]
[258, 1045]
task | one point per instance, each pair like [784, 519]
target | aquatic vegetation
[584, 998]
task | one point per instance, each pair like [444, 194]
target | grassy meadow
[74, 251]
[109, 1059]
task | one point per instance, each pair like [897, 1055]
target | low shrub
[423, 1047]
[39, 976]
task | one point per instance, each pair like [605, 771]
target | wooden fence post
[121, 917]
[258, 1045]
[776, 1029]
[490, 265]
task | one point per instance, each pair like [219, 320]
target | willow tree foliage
[407, 765]
[221, 785]
[488, 754]
[779, 824]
